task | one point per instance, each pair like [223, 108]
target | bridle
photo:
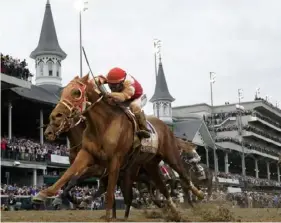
[76, 106]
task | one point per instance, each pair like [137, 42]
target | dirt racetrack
[202, 213]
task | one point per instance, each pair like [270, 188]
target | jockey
[125, 88]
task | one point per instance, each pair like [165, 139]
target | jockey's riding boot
[143, 130]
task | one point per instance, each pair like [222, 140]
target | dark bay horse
[109, 138]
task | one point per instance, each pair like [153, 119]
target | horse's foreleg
[177, 166]
[146, 180]
[76, 180]
[101, 190]
[155, 174]
[78, 167]
[114, 168]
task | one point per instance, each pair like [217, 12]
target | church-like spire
[161, 92]
[48, 42]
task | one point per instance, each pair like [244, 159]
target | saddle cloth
[149, 145]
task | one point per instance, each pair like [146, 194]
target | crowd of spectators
[268, 103]
[250, 129]
[249, 199]
[29, 150]
[262, 133]
[249, 180]
[15, 67]
[249, 146]
[218, 118]
[19, 191]
[83, 195]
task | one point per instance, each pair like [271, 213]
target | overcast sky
[240, 40]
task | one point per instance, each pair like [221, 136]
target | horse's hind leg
[113, 173]
[126, 185]
[154, 172]
[176, 164]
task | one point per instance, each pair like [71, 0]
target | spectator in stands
[15, 68]
[11, 202]
[25, 149]
[3, 147]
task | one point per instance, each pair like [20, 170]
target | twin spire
[161, 92]
[48, 42]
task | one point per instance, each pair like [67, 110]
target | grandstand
[250, 128]
[26, 158]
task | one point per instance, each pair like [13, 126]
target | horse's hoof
[39, 198]
[200, 195]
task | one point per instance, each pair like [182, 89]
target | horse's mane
[185, 146]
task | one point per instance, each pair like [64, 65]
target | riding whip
[86, 58]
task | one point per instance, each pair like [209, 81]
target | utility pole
[80, 5]
[157, 51]
[240, 128]
[212, 81]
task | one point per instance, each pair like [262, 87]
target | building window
[41, 66]
[50, 68]
[58, 68]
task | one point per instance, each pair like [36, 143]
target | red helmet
[116, 75]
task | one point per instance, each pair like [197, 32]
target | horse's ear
[75, 78]
[85, 78]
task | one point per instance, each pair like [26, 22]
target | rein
[74, 147]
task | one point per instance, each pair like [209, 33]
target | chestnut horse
[74, 135]
[109, 140]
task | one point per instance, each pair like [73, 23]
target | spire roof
[48, 42]
[161, 89]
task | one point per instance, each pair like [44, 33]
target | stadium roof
[42, 93]
[194, 130]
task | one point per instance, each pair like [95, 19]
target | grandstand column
[268, 170]
[257, 168]
[41, 127]
[278, 173]
[216, 165]
[207, 156]
[34, 177]
[226, 162]
[10, 120]
[243, 164]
